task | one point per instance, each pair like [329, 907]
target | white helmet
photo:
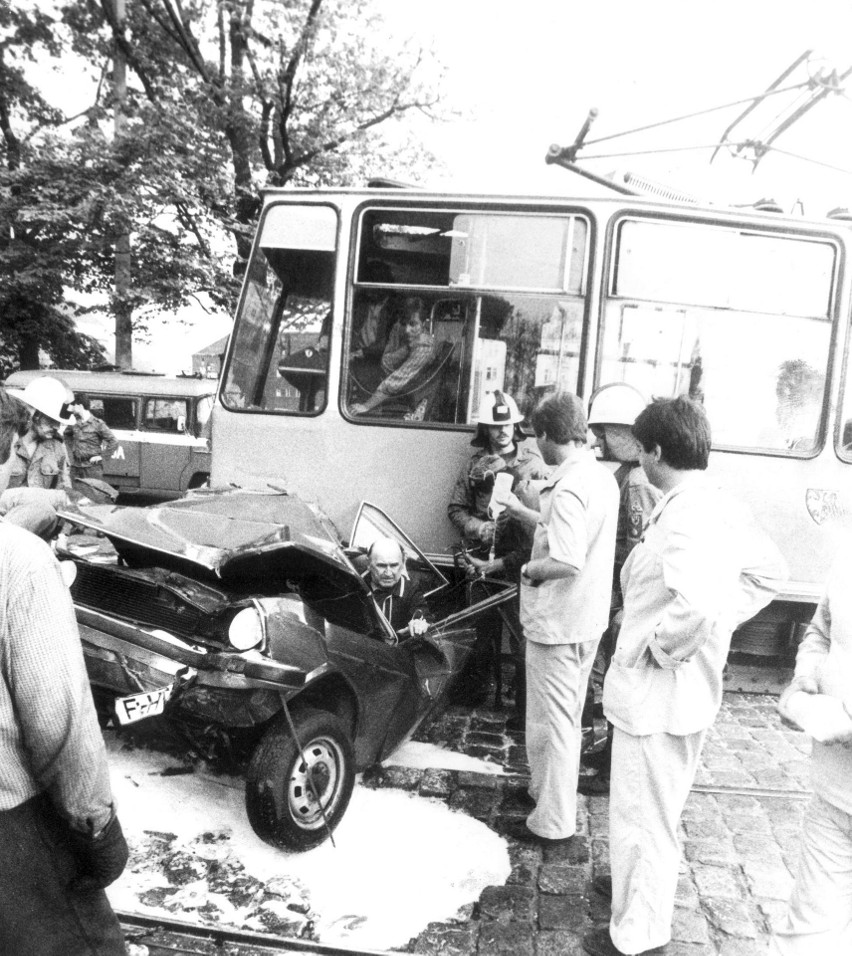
[498, 408]
[50, 397]
[616, 404]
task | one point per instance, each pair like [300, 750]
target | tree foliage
[224, 97]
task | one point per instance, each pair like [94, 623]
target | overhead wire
[686, 116]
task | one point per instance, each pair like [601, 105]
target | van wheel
[199, 480]
[294, 799]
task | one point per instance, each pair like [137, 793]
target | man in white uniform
[565, 596]
[702, 568]
[819, 918]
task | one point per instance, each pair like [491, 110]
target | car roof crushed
[229, 533]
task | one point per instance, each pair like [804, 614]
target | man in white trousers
[702, 568]
[565, 596]
[818, 920]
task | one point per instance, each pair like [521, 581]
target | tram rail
[181, 935]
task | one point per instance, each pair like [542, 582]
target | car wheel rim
[315, 783]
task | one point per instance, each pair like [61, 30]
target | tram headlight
[246, 629]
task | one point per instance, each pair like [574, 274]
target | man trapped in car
[397, 594]
[60, 839]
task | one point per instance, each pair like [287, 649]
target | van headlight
[246, 630]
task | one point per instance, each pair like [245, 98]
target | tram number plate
[139, 706]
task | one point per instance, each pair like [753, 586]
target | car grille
[136, 599]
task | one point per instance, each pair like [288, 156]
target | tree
[223, 98]
[33, 230]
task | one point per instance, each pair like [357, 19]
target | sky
[524, 75]
[527, 74]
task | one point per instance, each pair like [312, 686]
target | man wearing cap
[89, 440]
[565, 597]
[495, 547]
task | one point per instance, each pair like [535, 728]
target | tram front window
[449, 305]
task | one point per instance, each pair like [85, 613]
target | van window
[117, 412]
[165, 415]
[449, 305]
[735, 318]
[279, 359]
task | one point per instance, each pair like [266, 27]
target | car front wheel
[294, 798]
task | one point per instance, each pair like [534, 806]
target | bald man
[398, 595]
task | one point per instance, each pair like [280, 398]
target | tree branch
[288, 77]
[120, 38]
[286, 169]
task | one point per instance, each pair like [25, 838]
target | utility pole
[123, 309]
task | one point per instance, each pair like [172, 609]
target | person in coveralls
[496, 547]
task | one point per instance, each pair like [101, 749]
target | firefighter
[496, 547]
[612, 411]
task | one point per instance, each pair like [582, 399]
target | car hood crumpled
[232, 534]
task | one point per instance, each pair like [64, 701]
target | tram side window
[279, 360]
[738, 320]
[507, 312]
[843, 438]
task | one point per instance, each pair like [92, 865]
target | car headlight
[246, 629]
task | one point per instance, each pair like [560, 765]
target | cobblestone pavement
[739, 835]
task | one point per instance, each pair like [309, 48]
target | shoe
[518, 830]
[603, 884]
[593, 786]
[599, 943]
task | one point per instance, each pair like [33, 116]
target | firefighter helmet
[498, 408]
[616, 404]
[49, 396]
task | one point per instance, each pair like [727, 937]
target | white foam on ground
[401, 861]
[423, 756]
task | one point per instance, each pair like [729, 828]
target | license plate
[139, 706]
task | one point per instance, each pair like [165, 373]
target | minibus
[160, 424]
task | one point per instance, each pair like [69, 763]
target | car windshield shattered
[249, 612]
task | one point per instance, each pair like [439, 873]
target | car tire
[280, 802]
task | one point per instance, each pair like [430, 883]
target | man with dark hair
[701, 569]
[565, 595]
[89, 440]
[60, 840]
[409, 350]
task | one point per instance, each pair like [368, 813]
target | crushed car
[247, 611]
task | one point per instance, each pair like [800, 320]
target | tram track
[179, 935]
[752, 792]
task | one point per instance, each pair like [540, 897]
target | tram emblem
[823, 505]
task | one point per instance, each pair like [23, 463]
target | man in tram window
[406, 356]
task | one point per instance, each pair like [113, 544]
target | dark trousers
[92, 470]
[40, 915]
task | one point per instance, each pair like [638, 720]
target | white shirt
[579, 511]
[702, 568]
